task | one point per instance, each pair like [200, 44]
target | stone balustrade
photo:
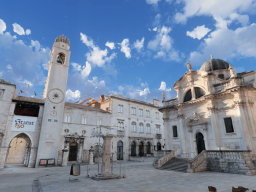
[166, 158]
[229, 161]
[171, 102]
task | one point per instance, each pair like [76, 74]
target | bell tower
[54, 100]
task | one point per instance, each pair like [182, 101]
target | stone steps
[176, 164]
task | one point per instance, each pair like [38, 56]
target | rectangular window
[84, 120]
[133, 111]
[141, 112]
[148, 128]
[67, 119]
[99, 122]
[120, 108]
[157, 115]
[174, 129]
[158, 129]
[55, 120]
[147, 113]
[229, 125]
[120, 125]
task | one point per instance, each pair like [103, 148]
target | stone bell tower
[54, 100]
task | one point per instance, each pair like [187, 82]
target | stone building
[214, 110]
[48, 130]
[139, 127]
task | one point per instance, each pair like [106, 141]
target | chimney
[156, 102]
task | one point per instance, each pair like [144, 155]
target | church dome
[63, 39]
[214, 64]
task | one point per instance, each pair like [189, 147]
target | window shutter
[229, 125]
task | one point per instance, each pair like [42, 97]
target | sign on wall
[24, 123]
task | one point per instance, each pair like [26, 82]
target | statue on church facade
[189, 66]
[232, 71]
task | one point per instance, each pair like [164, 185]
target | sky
[138, 48]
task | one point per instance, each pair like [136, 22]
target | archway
[133, 149]
[72, 152]
[158, 146]
[148, 148]
[141, 149]
[119, 150]
[19, 150]
[200, 142]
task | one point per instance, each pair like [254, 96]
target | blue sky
[149, 42]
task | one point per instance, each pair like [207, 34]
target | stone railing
[166, 158]
[222, 87]
[170, 103]
[228, 161]
[161, 153]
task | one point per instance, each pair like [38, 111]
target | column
[65, 154]
[215, 129]
[1, 138]
[183, 137]
[137, 148]
[206, 137]
[145, 149]
[32, 158]
[79, 151]
[247, 139]
[192, 152]
[193, 92]
[106, 168]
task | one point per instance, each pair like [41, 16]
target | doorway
[19, 151]
[72, 152]
[133, 149]
[148, 148]
[200, 142]
[119, 150]
[141, 149]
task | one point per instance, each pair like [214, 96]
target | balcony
[120, 133]
[158, 136]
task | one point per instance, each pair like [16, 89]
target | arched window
[199, 92]
[148, 128]
[141, 127]
[61, 58]
[133, 127]
[158, 146]
[148, 148]
[188, 96]
[133, 149]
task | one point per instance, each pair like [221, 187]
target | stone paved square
[140, 176]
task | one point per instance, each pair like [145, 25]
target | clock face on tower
[55, 96]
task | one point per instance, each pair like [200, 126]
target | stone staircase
[176, 164]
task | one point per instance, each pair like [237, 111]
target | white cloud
[152, 2]
[9, 67]
[26, 62]
[18, 29]
[157, 20]
[139, 44]
[217, 8]
[144, 92]
[225, 43]
[2, 26]
[199, 32]
[155, 29]
[83, 71]
[149, 29]
[125, 48]
[162, 43]
[28, 32]
[163, 87]
[120, 88]
[72, 96]
[111, 45]
[36, 44]
[96, 56]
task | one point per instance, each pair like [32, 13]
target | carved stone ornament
[197, 119]
[164, 99]
[189, 66]
[212, 109]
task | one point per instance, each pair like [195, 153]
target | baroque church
[49, 131]
[214, 110]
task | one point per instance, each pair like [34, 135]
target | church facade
[49, 131]
[214, 110]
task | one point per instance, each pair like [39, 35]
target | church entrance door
[119, 150]
[200, 142]
[72, 152]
